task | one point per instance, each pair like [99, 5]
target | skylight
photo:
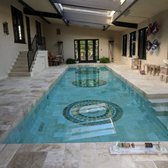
[88, 11]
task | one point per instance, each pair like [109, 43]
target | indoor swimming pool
[90, 104]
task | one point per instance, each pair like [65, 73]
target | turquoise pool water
[90, 104]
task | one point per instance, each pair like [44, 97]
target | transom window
[18, 25]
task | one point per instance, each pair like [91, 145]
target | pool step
[164, 120]
[84, 132]
[160, 105]
[158, 101]
[91, 134]
[91, 128]
[161, 108]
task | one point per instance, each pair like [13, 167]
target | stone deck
[18, 95]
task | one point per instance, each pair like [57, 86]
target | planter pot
[77, 62]
[98, 61]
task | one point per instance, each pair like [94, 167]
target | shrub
[70, 61]
[104, 60]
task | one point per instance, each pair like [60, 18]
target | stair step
[21, 59]
[21, 63]
[23, 53]
[20, 66]
[19, 74]
[20, 69]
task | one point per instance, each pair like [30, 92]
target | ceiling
[90, 13]
[143, 10]
[97, 13]
[40, 5]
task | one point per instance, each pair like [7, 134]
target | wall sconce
[5, 28]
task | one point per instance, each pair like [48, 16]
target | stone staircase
[161, 108]
[20, 67]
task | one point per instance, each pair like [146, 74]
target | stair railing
[38, 43]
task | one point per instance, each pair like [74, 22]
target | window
[18, 26]
[132, 43]
[38, 29]
[124, 45]
[142, 38]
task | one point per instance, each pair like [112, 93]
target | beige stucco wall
[162, 36]
[70, 33]
[8, 49]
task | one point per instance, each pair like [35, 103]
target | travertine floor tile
[41, 148]
[7, 154]
[54, 159]
[2, 147]
[27, 160]
[161, 164]
[145, 164]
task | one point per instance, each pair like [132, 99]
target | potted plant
[104, 60]
[70, 61]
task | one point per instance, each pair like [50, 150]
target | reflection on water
[88, 77]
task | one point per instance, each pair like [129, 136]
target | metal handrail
[38, 43]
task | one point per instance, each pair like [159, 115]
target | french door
[86, 50]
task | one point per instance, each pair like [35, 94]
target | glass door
[86, 50]
[90, 54]
[82, 52]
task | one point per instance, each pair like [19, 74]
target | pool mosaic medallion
[89, 83]
[92, 112]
